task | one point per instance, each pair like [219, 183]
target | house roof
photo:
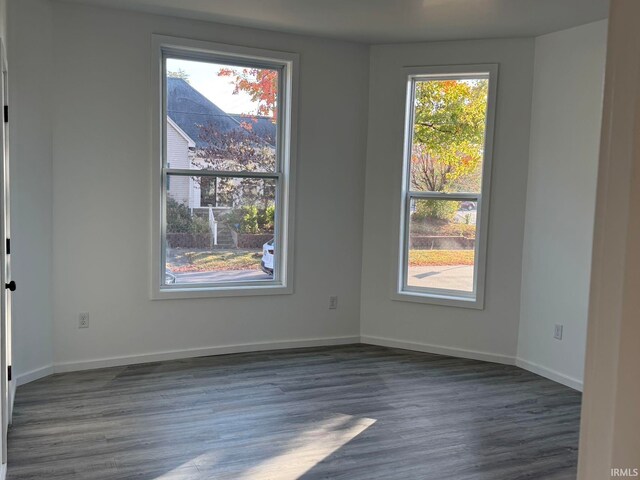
[189, 109]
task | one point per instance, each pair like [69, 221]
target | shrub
[179, 219]
[199, 225]
[462, 229]
[438, 209]
[442, 228]
[251, 219]
[178, 216]
[266, 218]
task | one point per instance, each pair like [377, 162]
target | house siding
[182, 189]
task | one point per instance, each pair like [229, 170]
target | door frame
[6, 384]
[610, 430]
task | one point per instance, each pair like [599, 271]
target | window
[448, 139]
[225, 170]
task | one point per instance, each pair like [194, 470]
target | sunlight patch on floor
[310, 448]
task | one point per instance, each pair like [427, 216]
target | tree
[234, 151]
[241, 149]
[448, 135]
[260, 83]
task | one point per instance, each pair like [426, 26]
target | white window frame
[401, 291]
[284, 175]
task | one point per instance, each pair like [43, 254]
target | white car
[267, 257]
[169, 277]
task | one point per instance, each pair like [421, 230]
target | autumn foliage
[242, 150]
[260, 83]
[448, 135]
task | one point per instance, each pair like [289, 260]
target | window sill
[475, 303]
[217, 292]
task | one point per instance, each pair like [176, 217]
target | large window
[445, 185]
[225, 174]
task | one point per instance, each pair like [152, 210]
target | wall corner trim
[550, 374]
[33, 375]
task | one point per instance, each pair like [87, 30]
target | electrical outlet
[557, 333]
[83, 320]
[333, 302]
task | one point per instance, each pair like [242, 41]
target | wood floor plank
[352, 412]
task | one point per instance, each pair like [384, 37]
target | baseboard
[550, 374]
[33, 375]
[438, 349]
[302, 343]
[201, 352]
[476, 355]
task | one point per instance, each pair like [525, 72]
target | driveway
[466, 216]
[221, 276]
[451, 277]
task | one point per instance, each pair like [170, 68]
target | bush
[461, 229]
[266, 218]
[179, 219]
[178, 216]
[438, 209]
[251, 219]
[199, 225]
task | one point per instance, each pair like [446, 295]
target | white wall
[30, 68]
[3, 20]
[565, 134]
[493, 331]
[83, 212]
[102, 193]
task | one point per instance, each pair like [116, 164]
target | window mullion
[444, 196]
[220, 173]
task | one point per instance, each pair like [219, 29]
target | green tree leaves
[448, 135]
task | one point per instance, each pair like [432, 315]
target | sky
[204, 78]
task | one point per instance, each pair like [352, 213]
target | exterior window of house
[214, 192]
[448, 140]
[225, 220]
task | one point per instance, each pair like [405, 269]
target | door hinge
[7, 249]
[9, 373]
[6, 114]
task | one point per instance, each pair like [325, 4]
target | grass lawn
[184, 260]
[427, 258]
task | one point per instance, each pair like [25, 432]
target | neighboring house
[187, 111]
[180, 153]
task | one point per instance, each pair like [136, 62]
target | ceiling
[384, 21]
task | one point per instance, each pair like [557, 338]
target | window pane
[448, 135]
[228, 239]
[221, 117]
[442, 236]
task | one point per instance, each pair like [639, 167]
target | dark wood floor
[353, 412]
